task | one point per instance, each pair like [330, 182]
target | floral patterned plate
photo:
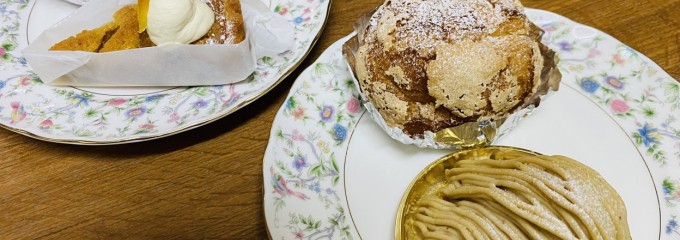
[331, 173]
[99, 116]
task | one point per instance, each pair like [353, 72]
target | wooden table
[207, 183]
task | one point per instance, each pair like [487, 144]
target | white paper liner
[169, 65]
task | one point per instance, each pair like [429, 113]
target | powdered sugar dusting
[218, 8]
[423, 24]
[228, 22]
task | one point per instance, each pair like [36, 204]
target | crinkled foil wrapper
[467, 135]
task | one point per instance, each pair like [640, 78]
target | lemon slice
[142, 14]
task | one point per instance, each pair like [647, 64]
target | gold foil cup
[468, 135]
[433, 177]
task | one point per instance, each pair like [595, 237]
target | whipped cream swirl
[178, 21]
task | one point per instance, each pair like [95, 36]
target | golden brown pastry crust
[122, 33]
[431, 65]
[87, 40]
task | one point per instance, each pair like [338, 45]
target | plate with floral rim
[104, 116]
[330, 172]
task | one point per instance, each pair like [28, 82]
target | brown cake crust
[228, 27]
[431, 65]
[87, 40]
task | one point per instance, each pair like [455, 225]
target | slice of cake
[124, 31]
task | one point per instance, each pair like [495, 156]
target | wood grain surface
[207, 183]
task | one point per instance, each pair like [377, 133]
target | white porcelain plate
[331, 173]
[98, 116]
